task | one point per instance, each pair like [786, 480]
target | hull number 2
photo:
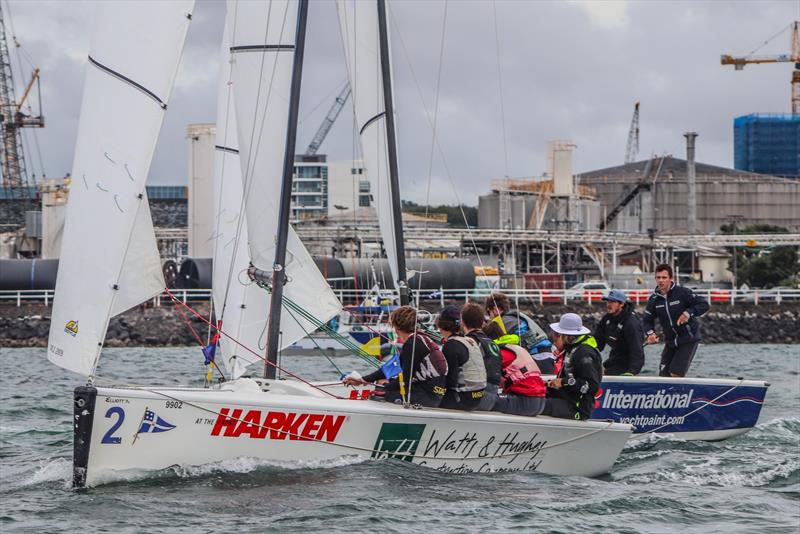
[109, 436]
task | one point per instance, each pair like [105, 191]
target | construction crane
[330, 118]
[739, 62]
[12, 117]
[632, 150]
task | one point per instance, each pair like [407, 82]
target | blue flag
[209, 352]
[391, 367]
[153, 423]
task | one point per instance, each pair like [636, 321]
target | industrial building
[550, 202]
[767, 144]
[659, 197]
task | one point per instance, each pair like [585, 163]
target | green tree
[763, 267]
[454, 213]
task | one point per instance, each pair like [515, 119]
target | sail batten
[108, 260]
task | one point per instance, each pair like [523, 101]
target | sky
[513, 75]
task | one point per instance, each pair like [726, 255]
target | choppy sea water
[750, 483]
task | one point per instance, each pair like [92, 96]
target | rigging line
[308, 335]
[285, 433]
[336, 88]
[437, 95]
[191, 310]
[765, 43]
[500, 84]
[241, 215]
[438, 146]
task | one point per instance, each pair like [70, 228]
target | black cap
[451, 313]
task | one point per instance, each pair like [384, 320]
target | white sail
[359, 28]
[107, 253]
[240, 305]
[262, 38]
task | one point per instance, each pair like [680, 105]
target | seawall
[28, 326]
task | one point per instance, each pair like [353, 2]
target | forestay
[262, 50]
[359, 29]
[109, 261]
[241, 305]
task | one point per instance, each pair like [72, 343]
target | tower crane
[739, 62]
[632, 150]
[12, 118]
[330, 118]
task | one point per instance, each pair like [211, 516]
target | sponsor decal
[234, 423]
[71, 328]
[398, 440]
[650, 401]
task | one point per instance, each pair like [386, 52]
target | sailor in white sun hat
[571, 394]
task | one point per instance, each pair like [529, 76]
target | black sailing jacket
[624, 334]
[668, 308]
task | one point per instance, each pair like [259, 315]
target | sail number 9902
[174, 404]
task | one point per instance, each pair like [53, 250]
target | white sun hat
[570, 325]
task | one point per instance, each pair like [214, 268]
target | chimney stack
[691, 179]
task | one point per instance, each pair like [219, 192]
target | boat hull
[690, 408]
[123, 429]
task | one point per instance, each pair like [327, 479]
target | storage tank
[17, 275]
[194, 273]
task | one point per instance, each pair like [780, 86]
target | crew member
[513, 322]
[472, 317]
[571, 394]
[466, 372]
[677, 309]
[523, 390]
[621, 330]
[424, 367]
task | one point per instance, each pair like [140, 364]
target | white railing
[535, 296]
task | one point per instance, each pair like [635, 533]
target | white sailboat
[134, 57]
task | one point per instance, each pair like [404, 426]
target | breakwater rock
[28, 326]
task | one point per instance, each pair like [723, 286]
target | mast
[391, 141]
[278, 273]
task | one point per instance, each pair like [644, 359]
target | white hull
[154, 428]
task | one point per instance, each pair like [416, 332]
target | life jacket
[522, 367]
[434, 364]
[471, 375]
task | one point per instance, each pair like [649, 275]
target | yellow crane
[739, 62]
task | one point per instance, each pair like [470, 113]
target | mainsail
[262, 50]
[109, 261]
[240, 304]
[359, 28]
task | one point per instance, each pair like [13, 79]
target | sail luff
[132, 67]
[241, 306]
[278, 273]
[262, 56]
[391, 146]
[360, 29]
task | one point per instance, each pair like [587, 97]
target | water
[750, 483]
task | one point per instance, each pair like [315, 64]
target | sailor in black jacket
[621, 330]
[571, 394]
[677, 309]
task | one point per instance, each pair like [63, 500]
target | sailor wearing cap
[571, 394]
[621, 330]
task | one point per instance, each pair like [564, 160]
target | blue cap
[616, 295]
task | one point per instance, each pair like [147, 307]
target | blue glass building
[767, 144]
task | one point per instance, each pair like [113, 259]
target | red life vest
[521, 375]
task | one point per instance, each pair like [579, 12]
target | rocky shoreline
[28, 326]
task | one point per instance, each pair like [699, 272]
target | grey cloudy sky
[569, 70]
